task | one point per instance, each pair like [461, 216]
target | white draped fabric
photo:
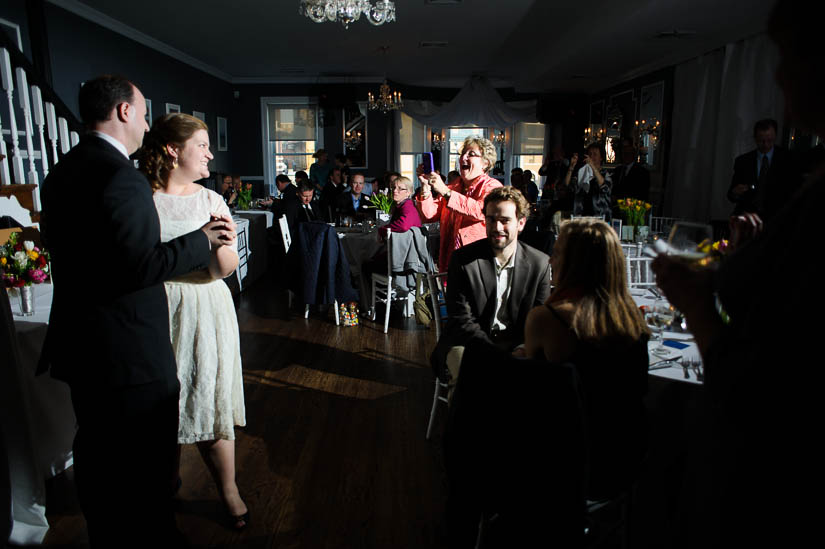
[477, 103]
[716, 100]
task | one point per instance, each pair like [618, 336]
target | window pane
[292, 123]
[408, 166]
[412, 135]
[528, 138]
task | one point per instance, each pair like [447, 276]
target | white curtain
[716, 100]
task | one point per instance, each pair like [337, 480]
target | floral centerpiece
[245, 197]
[21, 265]
[382, 201]
[635, 210]
[714, 251]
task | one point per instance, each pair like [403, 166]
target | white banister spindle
[51, 125]
[8, 86]
[26, 106]
[74, 138]
[64, 135]
[5, 179]
[39, 120]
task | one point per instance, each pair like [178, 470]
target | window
[412, 141]
[291, 136]
[528, 146]
[455, 138]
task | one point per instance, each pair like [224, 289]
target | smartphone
[427, 160]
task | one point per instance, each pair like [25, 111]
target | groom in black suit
[108, 334]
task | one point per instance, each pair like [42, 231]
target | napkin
[585, 175]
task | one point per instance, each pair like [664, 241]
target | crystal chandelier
[386, 101]
[352, 139]
[348, 11]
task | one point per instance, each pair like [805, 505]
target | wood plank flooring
[333, 454]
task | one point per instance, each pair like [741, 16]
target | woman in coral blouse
[460, 208]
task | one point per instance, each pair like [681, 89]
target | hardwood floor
[333, 454]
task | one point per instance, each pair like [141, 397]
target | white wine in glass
[686, 240]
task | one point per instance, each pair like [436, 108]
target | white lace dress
[204, 330]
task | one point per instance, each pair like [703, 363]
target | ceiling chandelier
[386, 101]
[348, 11]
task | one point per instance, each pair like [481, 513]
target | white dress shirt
[504, 282]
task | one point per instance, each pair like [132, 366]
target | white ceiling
[532, 45]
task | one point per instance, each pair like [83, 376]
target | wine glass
[686, 240]
[659, 316]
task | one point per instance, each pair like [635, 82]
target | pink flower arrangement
[23, 264]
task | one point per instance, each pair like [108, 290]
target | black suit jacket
[633, 184]
[471, 294]
[783, 181]
[295, 213]
[278, 206]
[345, 207]
[109, 323]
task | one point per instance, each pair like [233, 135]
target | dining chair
[662, 225]
[384, 287]
[286, 238]
[639, 273]
[435, 285]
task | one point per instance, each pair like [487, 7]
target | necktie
[763, 172]
[308, 210]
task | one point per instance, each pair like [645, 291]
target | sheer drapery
[717, 99]
[477, 103]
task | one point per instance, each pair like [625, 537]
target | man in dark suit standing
[763, 178]
[630, 179]
[123, 380]
[493, 283]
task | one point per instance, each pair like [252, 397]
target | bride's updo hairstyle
[170, 129]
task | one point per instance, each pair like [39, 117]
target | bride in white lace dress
[204, 326]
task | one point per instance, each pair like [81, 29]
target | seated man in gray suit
[493, 283]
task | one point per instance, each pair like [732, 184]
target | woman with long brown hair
[202, 319]
[591, 321]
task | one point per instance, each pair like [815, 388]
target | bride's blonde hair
[153, 157]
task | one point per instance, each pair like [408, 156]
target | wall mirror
[355, 134]
[650, 123]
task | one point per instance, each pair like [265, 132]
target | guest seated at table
[300, 175]
[591, 321]
[202, 319]
[460, 208]
[404, 214]
[228, 191]
[333, 190]
[404, 217]
[763, 375]
[301, 207]
[590, 183]
[476, 310]
[355, 202]
[286, 191]
[529, 189]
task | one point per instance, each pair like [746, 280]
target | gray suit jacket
[471, 294]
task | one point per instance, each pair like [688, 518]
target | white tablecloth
[270, 217]
[243, 247]
[674, 371]
[38, 423]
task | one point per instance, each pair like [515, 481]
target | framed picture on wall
[171, 107]
[149, 118]
[200, 116]
[223, 142]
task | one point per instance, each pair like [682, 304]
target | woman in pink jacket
[460, 206]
